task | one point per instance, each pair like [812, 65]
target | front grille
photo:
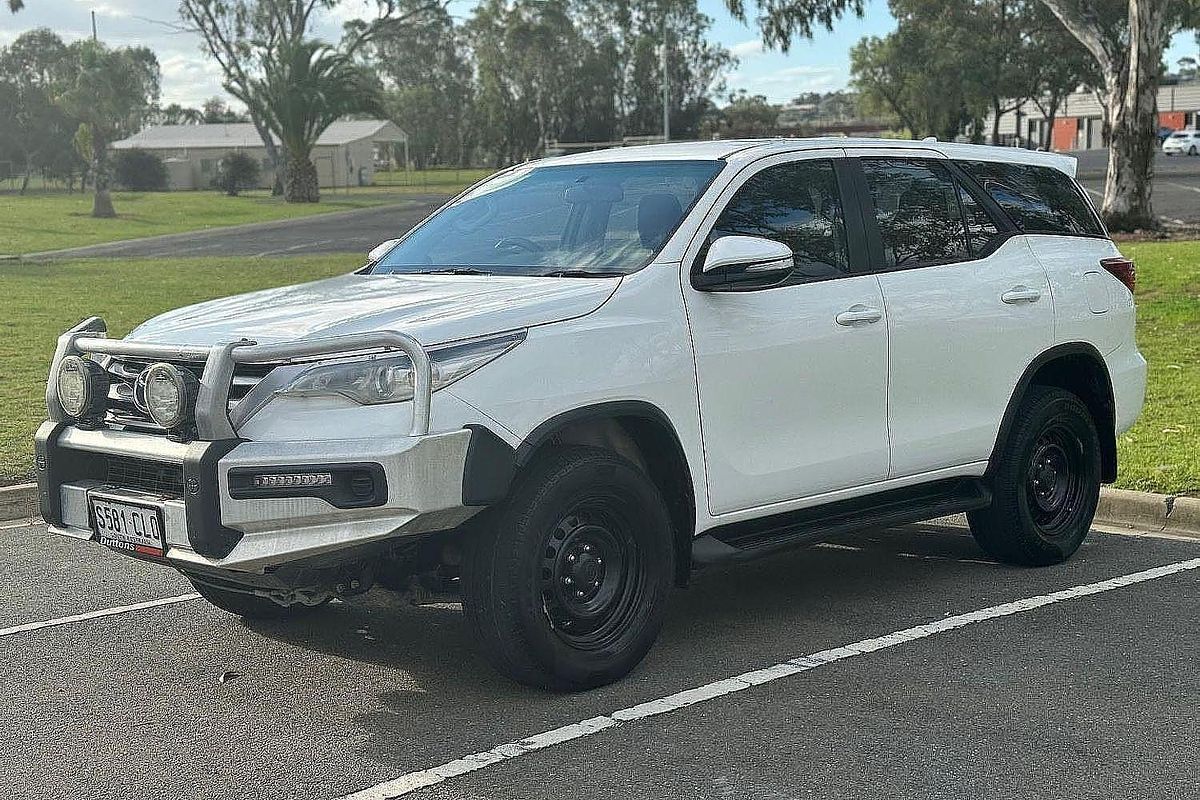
[150, 476]
[123, 412]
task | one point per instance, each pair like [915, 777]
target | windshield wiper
[452, 271]
[581, 273]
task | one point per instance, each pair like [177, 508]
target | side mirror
[380, 250]
[744, 258]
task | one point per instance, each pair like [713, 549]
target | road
[1176, 183]
[339, 232]
[1085, 696]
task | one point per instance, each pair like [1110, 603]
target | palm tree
[305, 87]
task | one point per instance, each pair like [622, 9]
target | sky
[188, 78]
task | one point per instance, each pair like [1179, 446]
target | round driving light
[170, 395]
[82, 387]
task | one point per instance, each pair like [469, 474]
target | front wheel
[1045, 482]
[1192, 150]
[565, 586]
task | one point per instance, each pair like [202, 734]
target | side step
[757, 537]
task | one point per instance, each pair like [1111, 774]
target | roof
[749, 149]
[243, 134]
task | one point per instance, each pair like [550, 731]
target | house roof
[243, 134]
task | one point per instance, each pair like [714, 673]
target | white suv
[586, 376]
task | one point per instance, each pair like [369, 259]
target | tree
[110, 92]
[216, 112]
[909, 74]
[427, 76]
[37, 133]
[746, 116]
[305, 87]
[140, 170]
[1060, 66]
[1126, 40]
[175, 114]
[236, 171]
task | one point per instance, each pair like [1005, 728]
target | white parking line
[104, 612]
[700, 694]
[1181, 186]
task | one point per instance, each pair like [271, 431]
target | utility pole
[666, 84]
[94, 26]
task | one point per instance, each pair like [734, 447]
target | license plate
[130, 527]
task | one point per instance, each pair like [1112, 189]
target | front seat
[658, 214]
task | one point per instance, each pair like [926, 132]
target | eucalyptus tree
[36, 133]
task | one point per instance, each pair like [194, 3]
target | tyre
[250, 606]
[1045, 482]
[1192, 150]
[565, 585]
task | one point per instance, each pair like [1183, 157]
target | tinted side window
[981, 228]
[1038, 199]
[917, 210]
[797, 204]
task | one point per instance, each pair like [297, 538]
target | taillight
[1122, 269]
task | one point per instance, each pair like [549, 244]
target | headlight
[170, 395]
[389, 379]
[82, 388]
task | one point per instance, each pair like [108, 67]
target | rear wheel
[1045, 482]
[565, 586]
[250, 606]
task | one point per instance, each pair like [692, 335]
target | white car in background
[1182, 143]
[586, 376]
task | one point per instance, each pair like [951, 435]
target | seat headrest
[658, 212]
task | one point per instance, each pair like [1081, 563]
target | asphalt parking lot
[1176, 195]
[1088, 693]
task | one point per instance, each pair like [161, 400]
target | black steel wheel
[565, 585]
[1045, 482]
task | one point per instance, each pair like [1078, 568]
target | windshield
[605, 219]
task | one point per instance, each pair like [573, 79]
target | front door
[792, 375]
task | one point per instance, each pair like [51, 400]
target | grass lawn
[55, 220]
[1161, 453]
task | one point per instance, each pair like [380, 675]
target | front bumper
[421, 482]
[204, 525]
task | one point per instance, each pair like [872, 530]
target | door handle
[858, 313]
[1021, 294]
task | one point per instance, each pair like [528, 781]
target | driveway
[1086, 687]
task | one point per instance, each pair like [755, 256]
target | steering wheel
[519, 242]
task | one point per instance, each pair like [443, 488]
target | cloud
[784, 84]
[188, 79]
[747, 49]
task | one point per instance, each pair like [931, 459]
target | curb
[1119, 508]
[1161, 513]
[99, 249]
[18, 502]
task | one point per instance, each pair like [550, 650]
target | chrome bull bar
[212, 402]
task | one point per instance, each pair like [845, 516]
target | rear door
[968, 308]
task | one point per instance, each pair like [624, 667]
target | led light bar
[293, 480]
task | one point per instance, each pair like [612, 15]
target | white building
[1078, 123]
[344, 155]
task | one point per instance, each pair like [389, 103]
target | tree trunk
[301, 185]
[102, 203]
[996, 121]
[1133, 121]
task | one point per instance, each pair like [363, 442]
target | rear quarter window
[1037, 199]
